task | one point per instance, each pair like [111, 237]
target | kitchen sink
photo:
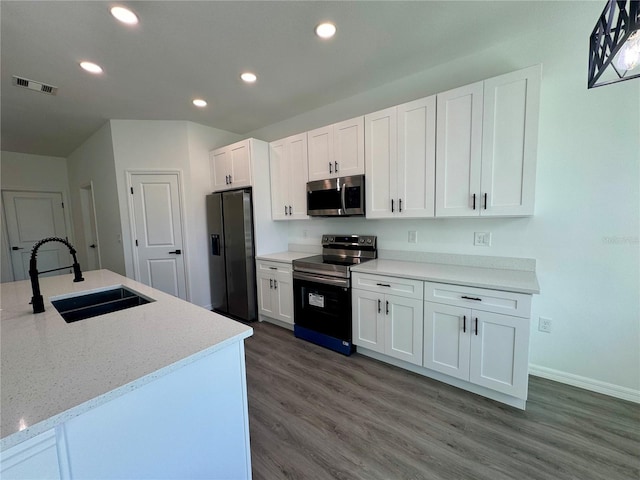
[92, 304]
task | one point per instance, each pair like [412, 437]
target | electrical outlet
[413, 236]
[482, 239]
[305, 233]
[544, 324]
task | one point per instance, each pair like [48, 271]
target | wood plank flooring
[316, 414]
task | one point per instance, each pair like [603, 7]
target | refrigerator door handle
[215, 244]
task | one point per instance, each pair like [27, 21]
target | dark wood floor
[315, 414]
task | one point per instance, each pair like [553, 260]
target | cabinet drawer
[517, 304]
[402, 287]
[263, 266]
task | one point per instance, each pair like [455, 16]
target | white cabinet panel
[275, 290]
[336, 150]
[368, 323]
[231, 166]
[500, 353]
[403, 328]
[388, 324]
[509, 144]
[487, 146]
[400, 160]
[446, 339]
[459, 151]
[36, 458]
[288, 162]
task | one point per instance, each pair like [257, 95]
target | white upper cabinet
[400, 160]
[289, 176]
[231, 166]
[459, 151]
[486, 146]
[510, 141]
[336, 150]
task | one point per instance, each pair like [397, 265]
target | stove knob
[368, 240]
[332, 239]
[361, 240]
[325, 239]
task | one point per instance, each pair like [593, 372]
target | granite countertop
[287, 257]
[519, 281]
[53, 371]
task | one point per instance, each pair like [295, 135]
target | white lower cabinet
[473, 338]
[34, 458]
[275, 290]
[484, 348]
[388, 323]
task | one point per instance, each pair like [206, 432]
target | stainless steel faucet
[37, 301]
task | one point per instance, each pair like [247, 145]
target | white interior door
[31, 217]
[157, 230]
[89, 226]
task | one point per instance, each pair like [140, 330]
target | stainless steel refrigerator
[231, 254]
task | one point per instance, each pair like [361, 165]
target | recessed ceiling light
[326, 30]
[91, 67]
[248, 77]
[198, 102]
[124, 15]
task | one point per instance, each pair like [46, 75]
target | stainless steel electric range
[322, 290]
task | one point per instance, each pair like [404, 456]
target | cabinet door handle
[471, 298]
[383, 285]
[271, 283]
[476, 326]
[330, 168]
[400, 205]
[290, 209]
[226, 179]
[485, 201]
[464, 324]
[285, 210]
[474, 201]
[336, 166]
[379, 306]
[392, 205]
[230, 180]
[275, 284]
[387, 307]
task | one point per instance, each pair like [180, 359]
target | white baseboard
[587, 383]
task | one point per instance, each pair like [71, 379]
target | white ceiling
[184, 49]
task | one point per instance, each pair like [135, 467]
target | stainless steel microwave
[336, 197]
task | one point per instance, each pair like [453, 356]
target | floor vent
[35, 86]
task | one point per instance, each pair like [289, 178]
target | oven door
[323, 304]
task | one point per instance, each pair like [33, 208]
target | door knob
[177, 252]
[93, 245]
[17, 248]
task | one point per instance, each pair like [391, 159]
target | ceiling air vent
[35, 86]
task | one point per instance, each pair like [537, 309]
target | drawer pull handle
[273, 268]
[383, 285]
[476, 326]
[464, 324]
[472, 298]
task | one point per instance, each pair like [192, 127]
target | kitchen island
[153, 391]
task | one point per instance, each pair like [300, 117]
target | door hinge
[136, 243]
[62, 204]
[131, 190]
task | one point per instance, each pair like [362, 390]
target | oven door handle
[310, 277]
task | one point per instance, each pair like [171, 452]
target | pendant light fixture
[614, 46]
